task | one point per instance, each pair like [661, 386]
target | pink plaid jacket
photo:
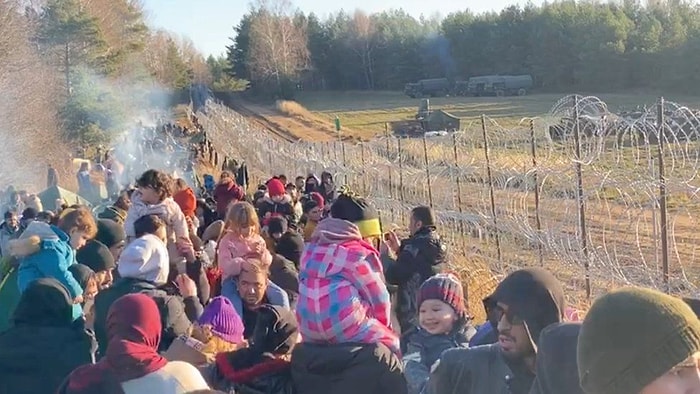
[342, 295]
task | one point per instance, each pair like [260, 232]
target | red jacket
[224, 193]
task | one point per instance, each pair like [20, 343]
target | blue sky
[209, 23]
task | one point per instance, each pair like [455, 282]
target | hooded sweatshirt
[44, 251]
[179, 244]
[537, 297]
[342, 295]
[557, 371]
[44, 344]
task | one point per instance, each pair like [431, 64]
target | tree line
[77, 72]
[564, 45]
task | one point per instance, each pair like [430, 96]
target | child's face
[246, 231]
[436, 317]
[78, 239]
[149, 195]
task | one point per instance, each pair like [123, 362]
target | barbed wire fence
[584, 192]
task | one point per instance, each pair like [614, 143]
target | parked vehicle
[437, 87]
[499, 85]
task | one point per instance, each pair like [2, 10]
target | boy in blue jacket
[46, 251]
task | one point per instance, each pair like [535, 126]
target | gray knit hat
[631, 337]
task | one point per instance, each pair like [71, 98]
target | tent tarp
[49, 196]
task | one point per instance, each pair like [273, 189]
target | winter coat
[44, 251]
[347, 369]
[179, 244]
[557, 370]
[268, 208]
[285, 275]
[224, 194]
[232, 250]
[342, 295]
[537, 297]
[291, 246]
[6, 235]
[177, 313]
[420, 257]
[486, 334]
[424, 349]
[478, 370]
[44, 345]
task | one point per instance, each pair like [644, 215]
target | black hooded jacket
[557, 371]
[420, 257]
[44, 345]
[262, 368]
[534, 295]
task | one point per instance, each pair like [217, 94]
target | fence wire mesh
[528, 212]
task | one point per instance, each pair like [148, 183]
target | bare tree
[362, 40]
[29, 127]
[278, 45]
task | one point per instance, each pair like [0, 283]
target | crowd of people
[297, 288]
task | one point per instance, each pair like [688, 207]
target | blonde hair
[212, 343]
[242, 214]
[255, 266]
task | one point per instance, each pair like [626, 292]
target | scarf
[134, 329]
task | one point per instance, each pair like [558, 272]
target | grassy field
[365, 113]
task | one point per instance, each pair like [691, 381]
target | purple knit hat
[223, 319]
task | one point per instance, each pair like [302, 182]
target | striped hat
[446, 288]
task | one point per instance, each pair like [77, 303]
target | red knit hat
[446, 288]
[187, 201]
[316, 196]
[275, 187]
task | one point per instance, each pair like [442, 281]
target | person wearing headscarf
[132, 364]
[557, 371]
[527, 300]
[264, 366]
[43, 345]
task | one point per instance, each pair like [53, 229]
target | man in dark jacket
[347, 369]
[177, 312]
[418, 258]
[528, 301]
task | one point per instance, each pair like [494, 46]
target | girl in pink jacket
[241, 238]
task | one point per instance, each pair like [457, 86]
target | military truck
[437, 87]
[499, 85]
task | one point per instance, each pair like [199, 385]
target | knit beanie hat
[631, 337]
[187, 201]
[446, 288]
[318, 198]
[223, 319]
[275, 188]
[96, 256]
[110, 232]
[358, 211]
